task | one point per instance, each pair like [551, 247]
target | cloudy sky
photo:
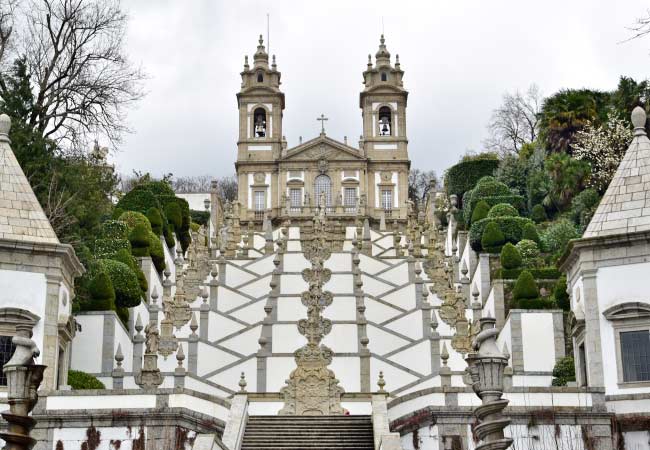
[459, 57]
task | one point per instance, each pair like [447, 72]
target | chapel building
[280, 183]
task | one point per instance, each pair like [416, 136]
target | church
[296, 318]
[281, 182]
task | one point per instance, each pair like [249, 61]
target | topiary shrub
[185, 240]
[480, 211]
[561, 295]
[529, 252]
[81, 380]
[117, 212]
[107, 247]
[133, 218]
[492, 238]
[102, 295]
[195, 227]
[564, 371]
[174, 215]
[156, 252]
[114, 229]
[168, 234]
[127, 258]
[525, 287]
[503, 210]
[510, 257]
[139, 199]
[156, 221]
[557, 236]
[200, 217]
[538, 214]
[124, 280]
[140, 241]
[547, 273]
[535, 303]
[159, 188]
[463, 176]
[511, 227]
[530, 233]
[123, 315]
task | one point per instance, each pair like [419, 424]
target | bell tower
[383, 106]
[260, 103]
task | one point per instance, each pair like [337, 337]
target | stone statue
[152, 338]
[26, 350]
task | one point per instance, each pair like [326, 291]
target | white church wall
[290, 309]
[339, 262]
[278, 369]
[28, 291]
[488, 306]
[539, 354]
[86, 356]
[295, 262]
[292, 284]
[636, 440]
[505, 336]
[286, 338]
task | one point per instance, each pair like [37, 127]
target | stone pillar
[179, 372]
[138, 346]
[205, 315]
[153, 306]
[434, 340]
[221, 261]
[366, 247]
[362, 323]
[118, 370]
[193, 346]
[445, 371]
[51, 331]
[516, 340]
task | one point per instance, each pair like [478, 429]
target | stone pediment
[323, 148]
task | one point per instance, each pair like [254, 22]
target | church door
[323, 184]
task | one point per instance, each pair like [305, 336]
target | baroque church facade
[281, 182]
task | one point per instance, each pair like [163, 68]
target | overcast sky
[459, 58]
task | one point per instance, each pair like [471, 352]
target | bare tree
[420, 183]
[227, 188]
[7, 11]
[515, 122]
[81, 78]
[641, 27]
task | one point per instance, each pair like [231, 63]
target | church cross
[322, 119]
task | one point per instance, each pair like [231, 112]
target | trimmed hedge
[463, 176]
[128, 259]
[548, 273]
[200, 217]
[107, 247]
[503, 210]
[114, 229]
[564, 371]
[492, 237]
[140, 241]
[480, 212]
[124, 281]
[535, 303]
[510, 257]
[511, 227]
[168, 234]
[525, 287]
[102, 295]
[538, 214]
[174, 215]
[159, 188]
[133, 218]
[529, 251]
[530, 233]
[156, 252]
[139, 199]
[82, 380]
[156, 221]
[517, 201]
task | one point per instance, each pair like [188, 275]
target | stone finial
[193, 323]
[180, 355]
[119, 356]
[444, 354]
[214, 273]
[475, 292]
[242, 383]
[138, 324]
[205, 295]
[5, 125]
[381, 382]
[463, 269]
[154, 295]
[638, 119]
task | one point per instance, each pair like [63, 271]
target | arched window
[259, 121]
[384, 76]
[385, 124]
[260, 77]
[323, 185]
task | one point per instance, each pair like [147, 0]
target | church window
[350, 199]
[635, 355]
[260, 77]
[260, 200]
[295, 197]
[385, 121]
[387, 199]
[384, 76]
[6, 350]
[259, 119]
[323, 189]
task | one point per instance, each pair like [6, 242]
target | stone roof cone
[21, 215]
[625, 207]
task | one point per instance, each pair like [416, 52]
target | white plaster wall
[415, 404]
[278, 369]
[86, 346]
[611, 291]
[347, 372]
[122, 338]
[292, 284]
[261, 408]
[28, 291]
[342, 339]
[628, 406]
[291, 309]
[199, 405]
[286, 338]
[295, 262]
[488, 307]
[340, 284]
[537, 341]
[342, 308]
[427, 439]
[637, 440]
[135, 401]
[339, 262]
[505, 337]
[72, 438]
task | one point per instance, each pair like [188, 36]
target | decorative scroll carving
[312, 388]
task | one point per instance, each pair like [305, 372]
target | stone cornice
[65, 252]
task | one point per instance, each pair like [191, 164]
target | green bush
[517, 201]
[107, 247]
[128, 259]
[139, 199]
[463, 176]
[117, 212]
[583, 207]
[140, 241]
[169, 237]
[174, 215]
[200, 217]
[82, 380]
[511, 227]
[530, 254]
[564, 371]
[525, 287]
[185, 239]
[123, 315]
[114, 229]
[102, 294]
[480, 211]
[124, 281]
[538, 214]
[133, 218]
[155, 219]
[503, 210]
[535, 303]
[158, 188]
[510, 257]
[547, 273]
[492, 238]
[561, 295]
[530, 233]
[156, 252]
[557, 236]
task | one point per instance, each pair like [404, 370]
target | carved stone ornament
[386, 177]
[323, 165]
[259, 177]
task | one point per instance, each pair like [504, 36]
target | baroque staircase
[308, 432]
